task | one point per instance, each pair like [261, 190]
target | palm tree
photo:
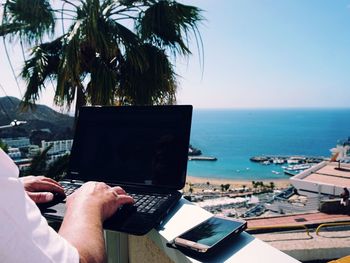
[57, 169]
[38, 165]
[97, 58]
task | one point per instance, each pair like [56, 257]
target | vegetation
[38, 164]
[258, 185]
[225, 187]
[58, 168]
[3, 146]
[55, 170]
[107, 53]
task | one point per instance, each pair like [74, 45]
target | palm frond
[57, 169]
[103, 83]
[11, 28]
[154, 84]
[38, 163]
[43, 62]
[30, 20]
[168, 23]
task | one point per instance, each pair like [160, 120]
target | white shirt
[25, 235]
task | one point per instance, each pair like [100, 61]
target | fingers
[118, 190]
[48, 186]
[41, 197]
[122, 196]
[46, 179]
[41, 184]
[125, 199]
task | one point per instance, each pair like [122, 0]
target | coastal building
[325, 178]
[58, 149]
[14, 153]
[16, 142]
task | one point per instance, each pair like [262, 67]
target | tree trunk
[81, 101]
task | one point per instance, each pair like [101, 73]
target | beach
[201, 183]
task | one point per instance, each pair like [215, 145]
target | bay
[235, 135]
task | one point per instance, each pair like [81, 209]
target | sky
[257, 54]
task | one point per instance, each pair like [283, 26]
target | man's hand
[99, 199]
[87, 208]
[40, 188]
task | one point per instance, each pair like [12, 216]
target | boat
[266, 163]
[275, 172]
[295, 169]
[259, 159]
[192, 151]
[278, 161]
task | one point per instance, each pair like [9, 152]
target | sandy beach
[200, 183]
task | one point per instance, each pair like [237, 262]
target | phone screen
[212, 231]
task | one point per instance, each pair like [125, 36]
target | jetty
[280, 159]
[201, 158]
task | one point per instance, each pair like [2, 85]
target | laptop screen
[146, 145]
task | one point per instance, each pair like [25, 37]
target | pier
[201, 158]
[280, 159]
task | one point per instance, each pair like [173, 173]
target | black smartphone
[208, 234]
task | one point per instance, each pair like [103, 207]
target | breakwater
[278, 159]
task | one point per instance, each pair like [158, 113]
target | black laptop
[143, 149]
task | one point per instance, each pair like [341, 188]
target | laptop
[143, 149]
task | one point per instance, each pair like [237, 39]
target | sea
[233, 136]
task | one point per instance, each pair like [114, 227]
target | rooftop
[330, 175]
[325, 178]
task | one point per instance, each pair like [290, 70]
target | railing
[331, 224]
[280, 227]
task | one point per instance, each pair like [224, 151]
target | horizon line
[243, 107]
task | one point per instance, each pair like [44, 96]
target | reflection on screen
[211, 231]
[148, 147]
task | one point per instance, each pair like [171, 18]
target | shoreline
[234, 183]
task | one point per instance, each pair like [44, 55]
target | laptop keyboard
[69, 188]
[144, 203]
[148, 203]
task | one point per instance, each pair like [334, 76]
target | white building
[325, 178]
[58, 149]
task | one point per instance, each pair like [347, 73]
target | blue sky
[259, 54]
[290, 53]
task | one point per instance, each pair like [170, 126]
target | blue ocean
[233, 136]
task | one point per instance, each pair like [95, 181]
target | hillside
[40, 117]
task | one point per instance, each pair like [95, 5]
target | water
[233, 136]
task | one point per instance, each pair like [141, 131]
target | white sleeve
[7, 167]
[25, 235]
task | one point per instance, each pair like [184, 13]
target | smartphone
[210, 233]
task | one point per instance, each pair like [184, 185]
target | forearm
[85, 233]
